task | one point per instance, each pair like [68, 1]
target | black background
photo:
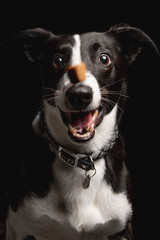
[141, 120]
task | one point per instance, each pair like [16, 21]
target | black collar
[83, 161]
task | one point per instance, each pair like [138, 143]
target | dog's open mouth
[81, 125]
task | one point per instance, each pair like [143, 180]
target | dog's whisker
[113, 83]
[112, 103]
[49, 101]
[49, 89]
[117, 93]
[105, 92]
[49, 95]
[42, 104]
[103, 105]
[48, 105]
[106, 101]
[110, 84]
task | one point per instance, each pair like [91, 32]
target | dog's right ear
[33, 42]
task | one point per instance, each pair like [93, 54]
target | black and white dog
[73, 182]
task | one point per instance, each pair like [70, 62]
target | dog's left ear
[33, 42]
[133, 41]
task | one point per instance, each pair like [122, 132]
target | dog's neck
[84, 161]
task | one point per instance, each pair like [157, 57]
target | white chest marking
[70, 210]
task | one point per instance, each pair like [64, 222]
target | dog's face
[84, 78]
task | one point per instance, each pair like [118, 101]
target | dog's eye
[58, 62]
[105, 59]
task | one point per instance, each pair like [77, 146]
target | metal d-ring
[88, 175]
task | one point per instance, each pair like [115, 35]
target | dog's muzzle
[78, 96]
[80, 118]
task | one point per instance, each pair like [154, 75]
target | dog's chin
[82, 124]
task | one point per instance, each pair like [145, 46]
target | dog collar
[83, 161]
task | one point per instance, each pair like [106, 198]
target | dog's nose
[77, 73]
[79, 96]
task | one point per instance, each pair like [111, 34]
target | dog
[73, 182]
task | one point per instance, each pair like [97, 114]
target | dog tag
[86, 182]
[87, 179]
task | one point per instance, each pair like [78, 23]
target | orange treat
[77, 73]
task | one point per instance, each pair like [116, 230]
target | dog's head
[84, 80]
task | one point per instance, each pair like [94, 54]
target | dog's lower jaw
[104, 133]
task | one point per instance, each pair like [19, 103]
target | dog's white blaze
[90, 80]
[76, 51]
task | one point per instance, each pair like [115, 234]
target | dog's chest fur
[71, 212]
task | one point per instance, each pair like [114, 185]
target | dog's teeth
[83, 133]
[91, 128]
[72, 129]
[86, 135]
[95, 115]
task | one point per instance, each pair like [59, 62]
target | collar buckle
[69, 158]
[85, 162]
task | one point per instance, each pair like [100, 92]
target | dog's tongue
[80, 119]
